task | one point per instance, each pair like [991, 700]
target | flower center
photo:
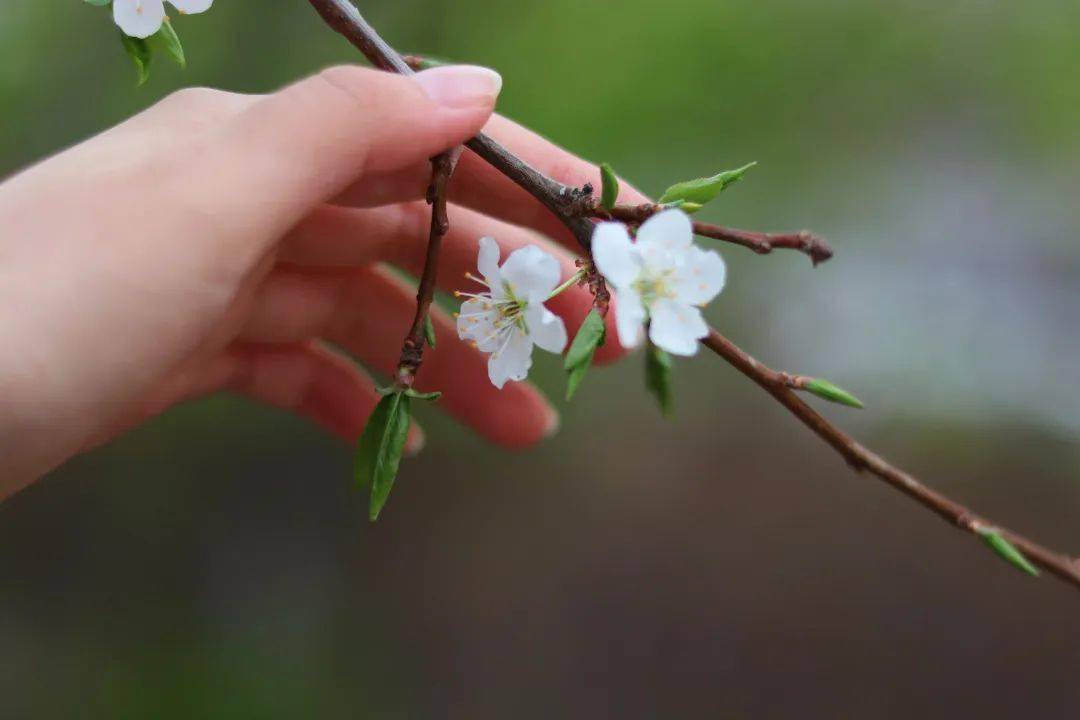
[652, 286]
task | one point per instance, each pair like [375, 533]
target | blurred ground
[217, 563]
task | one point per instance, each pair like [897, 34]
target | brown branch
[862, 459]
[567, 203]
[412, 350]
[804, 241]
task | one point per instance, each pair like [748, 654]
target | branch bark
[575, 208]
[814, 246]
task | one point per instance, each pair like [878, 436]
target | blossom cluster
[661, 281]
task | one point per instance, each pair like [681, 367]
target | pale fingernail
[460, 86]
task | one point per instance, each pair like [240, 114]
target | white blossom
[143, 18]
[509, 317]
[662, 278]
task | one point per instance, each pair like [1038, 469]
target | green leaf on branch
[832, 393]
[658, 373]
[139, 52]
[609, 188]
[429, 331]
[430, 396]
[579, 357]
[166, 39]
[687, 207]
[1007, 550]
[379, 451]
[694, 194]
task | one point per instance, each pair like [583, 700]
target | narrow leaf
[380, 448]
[700, 191]
[429, 331]
[609, 190]
[832, 393]
[658, 368]
[1007, 550]
[139, 52]
[167, 39]
[431, 396]
[579, 357]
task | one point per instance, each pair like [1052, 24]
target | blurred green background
[217, 562]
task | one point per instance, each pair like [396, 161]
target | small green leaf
[378, 454]
[167, 40]
[579, 357]
[429, 331]
[695, 193]
[1007, 550]
[139, 52]
[658, 367]
[432, 396]
[609, 189]
[687, 207]
[832, 393]
[430, 61]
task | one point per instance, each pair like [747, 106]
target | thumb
[305, 144]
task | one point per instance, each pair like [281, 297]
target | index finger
[481, 187]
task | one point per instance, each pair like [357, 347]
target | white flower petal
[629, 317]
[511, 361]
[667, 232]
[191, 7]
[487, 262]
[700, 278]
[546, 328]
[615, 255]
[139, 18]
[476, 323]
[676, 327]
[531, 273]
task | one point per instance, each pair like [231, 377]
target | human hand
[224, 242]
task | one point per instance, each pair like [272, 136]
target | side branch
[412, 350]
[814, 246]
[862, 459]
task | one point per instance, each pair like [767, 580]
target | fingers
[287, 152]
[480, 186]
[398, 234]
[308, 379]
[367, 312]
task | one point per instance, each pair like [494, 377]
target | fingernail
[460, 86]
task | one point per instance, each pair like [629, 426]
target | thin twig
[815, 246]
[412, 350]
[568, 203]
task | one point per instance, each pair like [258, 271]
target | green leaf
[1007, 550]
[432, 396]
[378, 454]
[139, 52]
[832, 393]
[687, 207]
[609, 188]
[698, 192]
[658, 367]
[429, 331]
[579, 357]
[167, 40]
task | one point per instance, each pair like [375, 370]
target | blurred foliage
[217, 563]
